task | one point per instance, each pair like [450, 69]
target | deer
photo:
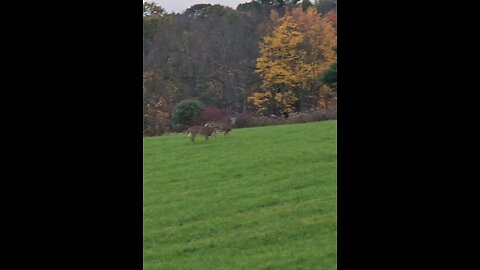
[204, 130]
[222, 126]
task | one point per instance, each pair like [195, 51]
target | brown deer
[204, 130]
[226, 127]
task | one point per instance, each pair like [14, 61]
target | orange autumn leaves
[292, 58]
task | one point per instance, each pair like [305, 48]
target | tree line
[269, 57]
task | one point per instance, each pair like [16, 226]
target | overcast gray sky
[181, 5]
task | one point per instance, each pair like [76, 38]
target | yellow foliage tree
[280, 55]
[260, 100]
[279, 65]
[293, 57]
[286, 101]
[320, 39]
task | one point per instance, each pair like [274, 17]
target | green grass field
[262, 198]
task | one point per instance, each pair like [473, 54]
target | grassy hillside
[262, 198]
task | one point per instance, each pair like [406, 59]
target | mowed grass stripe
[262, 198]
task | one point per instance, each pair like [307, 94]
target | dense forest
[266, 57]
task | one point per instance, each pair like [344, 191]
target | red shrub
[211, 114]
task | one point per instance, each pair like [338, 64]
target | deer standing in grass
[203, 130]
[226, 127]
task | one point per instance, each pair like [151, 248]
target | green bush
[187, 110]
